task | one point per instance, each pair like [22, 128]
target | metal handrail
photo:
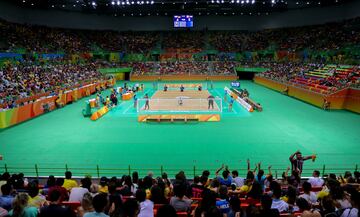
[98, 171]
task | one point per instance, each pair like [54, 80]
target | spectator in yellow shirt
[35, 199]
[68, 182]
[103, 187]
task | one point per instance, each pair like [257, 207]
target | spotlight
[118, 2]
[247, 1]
[152, 2]
[93, 3]
[113, 3]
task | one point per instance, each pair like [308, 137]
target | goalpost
[180, 105]
[187, 86]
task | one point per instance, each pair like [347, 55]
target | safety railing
[190, 171]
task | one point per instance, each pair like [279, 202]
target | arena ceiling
[171, 7]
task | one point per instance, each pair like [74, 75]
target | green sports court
[117, 143]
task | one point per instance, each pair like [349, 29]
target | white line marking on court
[128, 109]
[218, 93]
[234, 111]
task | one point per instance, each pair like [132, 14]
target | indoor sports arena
[165, 108]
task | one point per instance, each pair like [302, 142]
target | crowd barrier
[238, 99]
[30, 110]
[348, 98]
[99, 113]
[80, 170]
[17, 115]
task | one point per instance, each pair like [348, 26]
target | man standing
[231, 102]
[297, 163]
[135, 101]
[211, 102]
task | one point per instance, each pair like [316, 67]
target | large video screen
[183, 21]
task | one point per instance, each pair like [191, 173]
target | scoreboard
[235, 84]
[183, 21]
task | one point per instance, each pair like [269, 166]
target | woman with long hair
[21, 208]
[131, 186]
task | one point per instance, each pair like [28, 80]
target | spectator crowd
[28, 79]
[330, 36]
[225, 194]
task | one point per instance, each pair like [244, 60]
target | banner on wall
[17, 115]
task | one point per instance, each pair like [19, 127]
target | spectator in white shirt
[238, 181]
[355, 202]
[77, 193]
[308, 195]
[278, 204]
[316, 181]
[146, 206]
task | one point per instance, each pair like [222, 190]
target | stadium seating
[350, 184]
